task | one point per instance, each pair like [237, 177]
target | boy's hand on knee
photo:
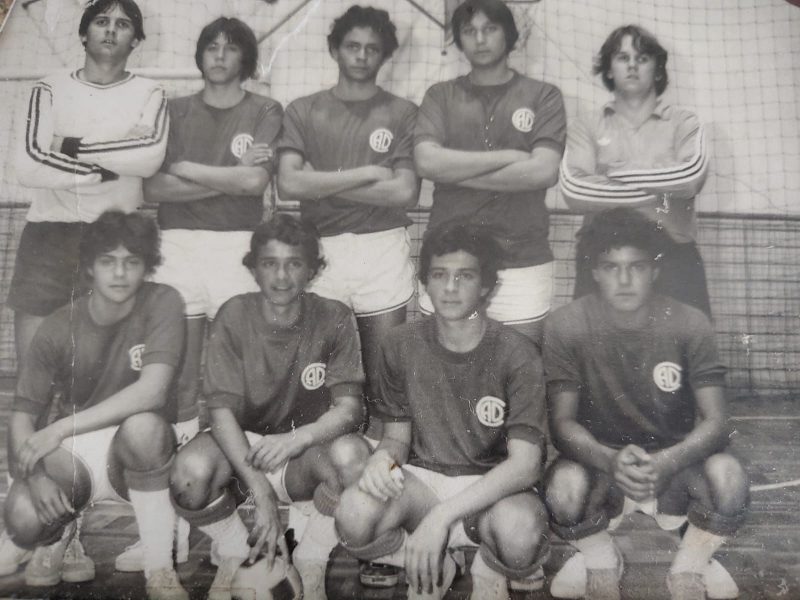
[49, 500]
[39, 445]
[382, 477]
[425, 553]
[270, 452]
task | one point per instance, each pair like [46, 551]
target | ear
[134, 42]
[83, 40]
[594, 275]
[656, 273]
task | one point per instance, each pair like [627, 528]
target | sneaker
[486, 583]
[449, 569]
[686, 585]
[531, 583]
[132, 561]
[77, 567]
[164, 584]
[570, 581]
[11, 555]
[44, 568]
[378, 575]
[719, 583]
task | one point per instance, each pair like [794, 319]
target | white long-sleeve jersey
[117, 135]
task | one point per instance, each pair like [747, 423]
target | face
[117, 275]
[632, 72]
[360, 54]
[110, 35]
[483, 41]
[282, 272]
[625, 278]
[454, 285]
[222, 61]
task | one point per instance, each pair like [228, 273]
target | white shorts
[93, 449]
[522, 295]
[372, 273]
[276, 478]
[205, 267]
[445, 487]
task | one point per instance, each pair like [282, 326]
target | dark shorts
[46, 271]
[682, 276]
[687, 494]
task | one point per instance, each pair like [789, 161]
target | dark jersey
[521, 114]
[334, 134]
[278, 379]
[463, 407]
[635, 386]
[218, 137]
[87, 363]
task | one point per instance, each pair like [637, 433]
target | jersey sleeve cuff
[711, 379]
[403, 162]
[224, 400]
[26, 405]
[548, 143]
[561, 385]
[390, 418]
[161, 357]
[347, 389]
[529, 434]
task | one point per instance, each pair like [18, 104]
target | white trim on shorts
[379, 261]
[522, 295]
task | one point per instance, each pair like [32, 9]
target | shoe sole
[78, 576]
[41, 581]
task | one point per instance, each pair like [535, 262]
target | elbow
[254, 184]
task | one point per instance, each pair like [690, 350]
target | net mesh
[735, 64]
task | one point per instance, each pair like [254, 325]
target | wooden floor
[764, 558]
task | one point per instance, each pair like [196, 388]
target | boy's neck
[462, 335]
[105, 312]
[223, 96]
[492, 75]
[103, 72]
[635, 109]
[348, 90]
[281, 316]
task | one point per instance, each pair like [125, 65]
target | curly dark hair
[617, 228]
[365, 16]
[291, 231]
[472, 239]
[137, 233]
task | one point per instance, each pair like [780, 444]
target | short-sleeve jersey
[218, 137]
[277, 379]
[521, 114]
[119, 128]
[463, 407]
[87, 363]
[334, 134]
[634, 386]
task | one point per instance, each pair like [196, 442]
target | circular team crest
[313, 376]
[490, 411]
[667, 376]
[522, 119]
[135, 354]
[240, 144]
[380, 140]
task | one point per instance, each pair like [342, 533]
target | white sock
[230, 535]
[319, 538]
[695, 551]
[598, 550]
[182, 533]
[155, 517]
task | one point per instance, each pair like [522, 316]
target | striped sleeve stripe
[672, 175]
[142, 142]
[50, 159]
[579, 189]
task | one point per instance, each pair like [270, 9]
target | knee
[145, 441]
[190, 480]
[566, 492]
[349, 455]
[727, 480]
[357, 517]
[516, 529]
[19, 515]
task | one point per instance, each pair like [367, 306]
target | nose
[452, 283]
[119, 269]
[480, 37]
[624, 276]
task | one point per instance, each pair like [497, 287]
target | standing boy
[492, 141]
[111, 355]
[462, 401]
[641, 152]
[346, 156]
[283, 379]
[637, 409]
